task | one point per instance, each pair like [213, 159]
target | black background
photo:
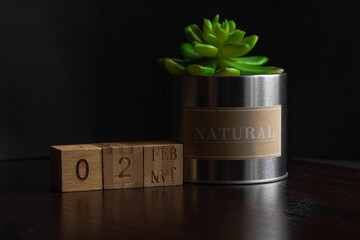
[85, 71]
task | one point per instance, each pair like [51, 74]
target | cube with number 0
[76, 167]
[122, 165]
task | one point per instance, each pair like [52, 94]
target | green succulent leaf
[251, 60]
[188, 51]
[250, 69]
[234, 50]
[161, 62]
[185, 62]
[227, 72]
[194, 33]
[232, 26]
[251, 41]
[198, 70]
[207, 27]
[190, 35]
[173, 67]
[205, 50]
[209, 62]
[221, 34]
[211, 39]
[225, 26]
[215, 21]
[236, 37]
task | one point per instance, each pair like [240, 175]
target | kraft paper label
[233, 133]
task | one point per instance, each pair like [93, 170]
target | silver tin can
[214, 154]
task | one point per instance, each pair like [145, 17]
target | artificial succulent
[217, 49]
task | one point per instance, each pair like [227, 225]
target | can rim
[240, 182]
[236, 76]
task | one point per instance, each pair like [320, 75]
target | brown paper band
[233, 133]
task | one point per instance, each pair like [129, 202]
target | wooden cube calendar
[76, 167]
[163, 163]
[116, 165]
[122, 165]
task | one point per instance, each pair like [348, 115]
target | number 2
[126, 167]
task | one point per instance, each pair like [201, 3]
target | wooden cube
[76, 167]
[163, 163]
[122, 165]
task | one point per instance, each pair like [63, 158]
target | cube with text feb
[122, 165]
[163, 163]
[76, 167]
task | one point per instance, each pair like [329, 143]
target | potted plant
[233, 108]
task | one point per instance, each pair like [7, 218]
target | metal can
[233, 127]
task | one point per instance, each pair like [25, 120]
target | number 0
[86, 169]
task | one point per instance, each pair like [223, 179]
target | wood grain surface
[123, 165]
[163, 163]
[317, 201]
[76, 167]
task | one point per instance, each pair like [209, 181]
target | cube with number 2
[122, 165]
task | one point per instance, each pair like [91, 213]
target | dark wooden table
[317, 201]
